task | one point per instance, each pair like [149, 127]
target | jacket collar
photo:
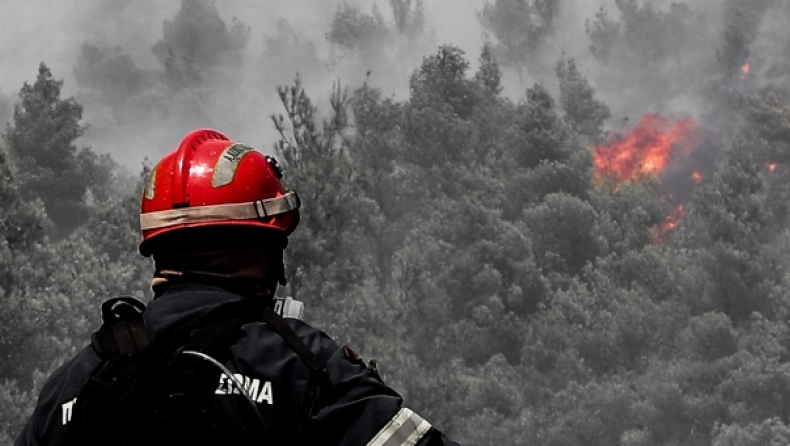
[183, 303]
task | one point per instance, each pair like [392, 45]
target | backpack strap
[123, 338]
[292, 339]
[123, 331]
[214, 338]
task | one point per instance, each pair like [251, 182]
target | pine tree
[583, 113]
[520, 27]
[358, 32]
[197, 41]
[317, 165]
[41, 142]
[489, 74]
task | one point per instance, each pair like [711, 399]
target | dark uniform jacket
[364, 411]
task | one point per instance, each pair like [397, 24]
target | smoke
[677, 58]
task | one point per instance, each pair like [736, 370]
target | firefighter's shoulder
[56, 400]
[260, 337]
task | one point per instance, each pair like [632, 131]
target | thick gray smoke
[146, 76]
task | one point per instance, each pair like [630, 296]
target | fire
[671, 223]
[673, 220]
[745, 69]
[697, 177]
[646, 149]
[771, 167]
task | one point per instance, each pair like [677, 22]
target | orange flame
[772, 167]
[673, 220]
[697, 177]
[646, 149]
[745, 69]
[671, 223]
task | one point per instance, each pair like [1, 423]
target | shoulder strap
[123, 331]
[214, 337]
[122, 338]
[292, 339]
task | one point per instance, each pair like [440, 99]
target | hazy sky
[42, 30]
[53, 32]
[36, 30]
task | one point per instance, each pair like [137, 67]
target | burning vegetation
[646, 150]
[670, 224]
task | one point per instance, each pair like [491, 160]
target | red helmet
[211, 181]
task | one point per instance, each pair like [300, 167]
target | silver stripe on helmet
[404, 429]
[228, 163]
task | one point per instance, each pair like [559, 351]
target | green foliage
[663, 48]
[22, 220]
[562, 232]
[627, 217]
[583, 112]
[544, 135]
[520, 27]
[364, 34]
[51, 168]
[771, 432]
[645, 33]
[198, 40]
[376, 151]
[318, 166]
[408, 20]
[6, 107]
[53, 277]
[710, 336]
[17, 404]
[489, 75]
[742, 21]
[355, 30]
[362, 42]
[603, 33]
[112, 73]
[23, 224]
[441, 82]
[288, 52]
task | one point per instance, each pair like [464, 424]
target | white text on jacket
[66, 409]
[257, 392]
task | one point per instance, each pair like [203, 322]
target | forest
[531, 270]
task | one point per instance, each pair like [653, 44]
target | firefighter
[216, 218]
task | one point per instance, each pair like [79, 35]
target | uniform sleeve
[26, 437]
[49, 421]
[354, 407]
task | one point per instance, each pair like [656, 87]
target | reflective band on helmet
[404, 429]
[235, 211]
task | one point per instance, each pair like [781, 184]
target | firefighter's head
[213, 207]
